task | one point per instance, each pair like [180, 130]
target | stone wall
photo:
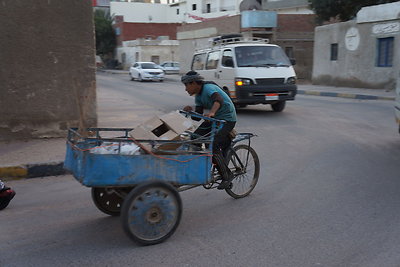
[47, 68]
[356, 63]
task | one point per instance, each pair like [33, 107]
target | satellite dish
[249, 5]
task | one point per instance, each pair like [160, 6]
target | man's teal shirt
[226, 111]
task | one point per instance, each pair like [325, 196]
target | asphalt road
[328, 194]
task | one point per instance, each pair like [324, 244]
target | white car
[146, 71]
[170, 67]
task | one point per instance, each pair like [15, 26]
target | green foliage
[105, 36]
[341, 9]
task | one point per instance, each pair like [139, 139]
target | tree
[105, 36]
[342, 10]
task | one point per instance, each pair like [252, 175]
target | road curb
[32, 170]
[113, 71]
[345, 95]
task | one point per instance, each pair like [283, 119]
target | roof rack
[235, 40]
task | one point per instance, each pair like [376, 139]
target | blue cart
[144, 188]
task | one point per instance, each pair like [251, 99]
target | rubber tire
[240, 105]
[237, 179]
[102, 200]
[278, 107]
[4, 203]
[151, 190]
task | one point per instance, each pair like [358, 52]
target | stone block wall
[47, 68]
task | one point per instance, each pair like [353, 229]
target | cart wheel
[151, 212]
[246, 174]
[109, 200]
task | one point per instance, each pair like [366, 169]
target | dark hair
[192, 76]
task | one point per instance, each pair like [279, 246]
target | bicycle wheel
[245, 167]
[151, 212]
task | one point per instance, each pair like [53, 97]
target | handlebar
[200, 116]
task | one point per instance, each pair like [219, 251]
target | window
[227, 58]
[123, 58]
[212, 60]
[208, 7]
[254, 56]
[198, 61]
[177, 11]
[155, 59]
[334, 52]
[289, 52]
[194, 7]
[385, 52]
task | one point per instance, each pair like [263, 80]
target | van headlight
[291, 80]
[242, 81]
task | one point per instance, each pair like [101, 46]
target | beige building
[158, 50]
[363, 52]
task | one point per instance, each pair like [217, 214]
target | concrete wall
[356, 64]
[296, 31]
[166, 50]
[47, 67]
[132, 31]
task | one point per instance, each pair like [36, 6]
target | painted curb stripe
[345, 95]
[32, 170]
[13, 172]
[40, 170]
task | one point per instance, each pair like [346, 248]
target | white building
[287, 6]
[190, 11]
[363, 52]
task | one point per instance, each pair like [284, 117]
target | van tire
[279, 106]
[240, 105]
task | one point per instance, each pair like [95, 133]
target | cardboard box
[165, 127]
[177, 122]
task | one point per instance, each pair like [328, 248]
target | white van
[251, 71]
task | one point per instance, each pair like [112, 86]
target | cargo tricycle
[143, 187]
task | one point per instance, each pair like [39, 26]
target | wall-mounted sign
[352, 39]
[259, 19]
[386, 28]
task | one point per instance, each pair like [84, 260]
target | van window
[199, 61]
[212, 60]
[256, 56]
[227, 58]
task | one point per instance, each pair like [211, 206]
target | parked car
[99, 62]
[146, 71]
[170, 67]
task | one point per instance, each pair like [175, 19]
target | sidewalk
[44, 157]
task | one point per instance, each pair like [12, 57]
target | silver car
[146, 71]
[170, 67]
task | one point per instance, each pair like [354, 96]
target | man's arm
[218, 101]
[197, 109]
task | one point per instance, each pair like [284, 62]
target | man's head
[193, 82]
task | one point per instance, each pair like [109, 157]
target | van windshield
[261, 56]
